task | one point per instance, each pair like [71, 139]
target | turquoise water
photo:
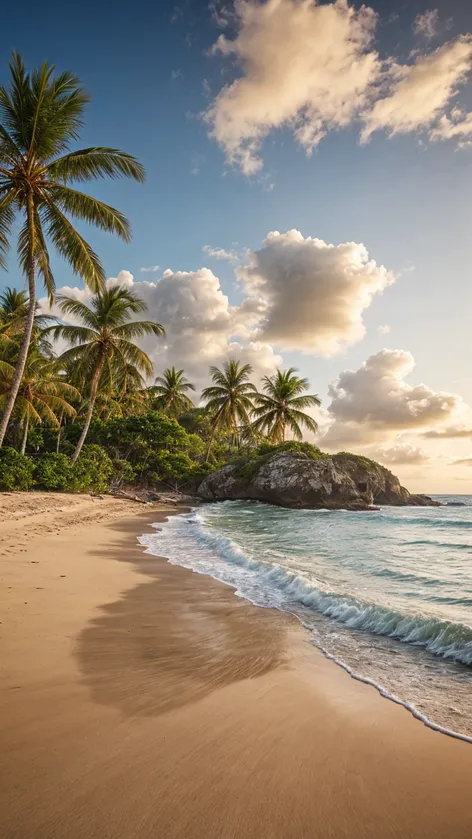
[387, 594]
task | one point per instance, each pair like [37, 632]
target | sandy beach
[141, 700]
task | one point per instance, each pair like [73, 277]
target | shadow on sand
[171, 640]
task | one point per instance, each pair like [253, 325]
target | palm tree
[103, 347]
[43, 393]
[126, 395]
[283, 405]
[170, 393]
[230, 398]
[40, 117]
[13, 309]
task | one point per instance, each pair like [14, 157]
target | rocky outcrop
[294, 479]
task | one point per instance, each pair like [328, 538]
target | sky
[307, 202]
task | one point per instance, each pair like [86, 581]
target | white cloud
[462, 461]
[458, 125]
[175, 75]
[403, 454]
[422, 91]
[309, 295]
[384, 329]
[151, 269]
[221, 253]
[427, 24]
[311, 67]
[453, 432]
[303, 64]
[372, 404]
[202, 328]
[297, 293]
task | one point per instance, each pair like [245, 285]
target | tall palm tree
[103, 347]
[282, 405]
[40, 117]
[230, 398]
[170, 393]
[43, 395]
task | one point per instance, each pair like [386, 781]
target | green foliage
[248, 463]
[283, 404]
[123, 472]
[16, 470]
[359, 459]
[156, 446]
[92, 470]
[41, 116]
[54, 472]
[35, 438]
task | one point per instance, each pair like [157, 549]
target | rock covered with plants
[300, 475]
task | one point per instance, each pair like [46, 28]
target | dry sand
[140, 700]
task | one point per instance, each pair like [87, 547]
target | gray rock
[293, 479]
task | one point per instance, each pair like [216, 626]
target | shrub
[53, 471]
[360, 459]
[247, 465]
[123, 472]
[92, 470]
[16, 470]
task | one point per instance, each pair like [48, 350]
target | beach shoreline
[140, 699]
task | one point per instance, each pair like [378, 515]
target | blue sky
[149, 70]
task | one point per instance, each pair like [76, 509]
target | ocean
[386, 594]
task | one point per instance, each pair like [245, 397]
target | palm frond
[138, 329]
[89, 209]
[7, 217]
[15, 106]
[95, 162]
[9, 151]
[134, 355]
[78, 309]
[75, 250]
[75, 335]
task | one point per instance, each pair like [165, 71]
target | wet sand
[141, 700]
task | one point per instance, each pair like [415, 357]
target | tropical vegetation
[41, 115]
[81, 407]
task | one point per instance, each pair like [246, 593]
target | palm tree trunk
[88, 418]
[25, 436]
[23, 354]
[210, 443]
[59, 432]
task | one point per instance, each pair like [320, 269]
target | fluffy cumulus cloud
[310, 295]
[423, 90]
[303, 64]
[298, 293]
[202, 328]
[374, 403]
[311, 67]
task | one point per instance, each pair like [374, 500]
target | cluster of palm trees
[41, 114]
[102, 372]
[237, 407]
